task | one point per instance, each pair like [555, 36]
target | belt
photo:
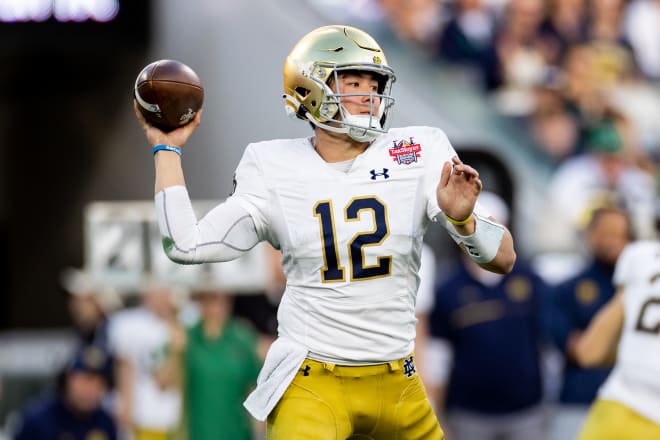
[356, 370]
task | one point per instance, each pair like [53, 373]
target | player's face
[215, 306]
[161, 300]
[358, 83]
[85, 311]
[608, 236]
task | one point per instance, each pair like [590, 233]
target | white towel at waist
[282, 362]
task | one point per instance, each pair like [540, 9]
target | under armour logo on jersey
[306, 370]
[409, 367]
[375, 175]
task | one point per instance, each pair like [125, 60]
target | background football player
[628, 404]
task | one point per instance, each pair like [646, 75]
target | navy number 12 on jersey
[332, 270]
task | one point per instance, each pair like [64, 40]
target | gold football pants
[336, 402]
[609, 420]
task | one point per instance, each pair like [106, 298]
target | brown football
[169, 94]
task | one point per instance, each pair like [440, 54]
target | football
[169, 94]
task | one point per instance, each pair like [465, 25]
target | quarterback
[348, 208]
[628, 404]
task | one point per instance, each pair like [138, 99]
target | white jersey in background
[635, 380]
[351, 240]
[140, 337]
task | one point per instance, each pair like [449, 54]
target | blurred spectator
[641, 27]
[414, 21]
[564, 26]
[611, 62]
[484, 359]
[602, 173]
[639, 102]
[602, 87]
[581, 87]
[90, 303]
[606, 22]
[75, 411]
[517, 60]
[598, 63]
[468, 33]
[613, 57]
[221, 365]
[554, 130]
[145, 341]
[573, 305]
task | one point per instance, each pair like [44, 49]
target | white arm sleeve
[225, 233]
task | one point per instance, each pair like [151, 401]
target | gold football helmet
[317, 58]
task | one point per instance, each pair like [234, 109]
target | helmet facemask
[334, 116]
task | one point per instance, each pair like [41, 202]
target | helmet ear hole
[328, 110]
[302, 91]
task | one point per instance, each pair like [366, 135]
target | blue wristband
[172, 148]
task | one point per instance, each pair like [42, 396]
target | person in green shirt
[220, 367]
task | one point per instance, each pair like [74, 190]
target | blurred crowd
[170, 361]
[579, 78]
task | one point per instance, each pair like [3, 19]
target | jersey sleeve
[250, 190]
[626, 265]
[223, 234]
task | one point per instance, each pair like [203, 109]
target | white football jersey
[635, 380]
[139, 336]
[351, 241]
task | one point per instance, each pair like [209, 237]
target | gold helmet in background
[321, 55]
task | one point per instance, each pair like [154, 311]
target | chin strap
[351, 127]
[362, 128]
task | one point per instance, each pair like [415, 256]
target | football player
[628, 404]
[348, 207]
